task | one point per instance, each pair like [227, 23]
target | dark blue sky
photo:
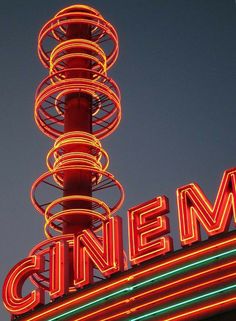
[177, 75]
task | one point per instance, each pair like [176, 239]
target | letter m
[194, 209]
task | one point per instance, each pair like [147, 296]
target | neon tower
[76, 105]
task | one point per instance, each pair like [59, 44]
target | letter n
[106, 252]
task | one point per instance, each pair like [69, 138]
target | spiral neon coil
[76, 151]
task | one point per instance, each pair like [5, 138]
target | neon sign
[76, 105]
[148, 229]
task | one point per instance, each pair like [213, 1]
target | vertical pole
[78, 117]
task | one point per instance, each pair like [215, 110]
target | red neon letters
[88, 252]
[194, 208]
[12, 288]
[147, 224]
[148, 227]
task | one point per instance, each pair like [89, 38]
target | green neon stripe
[170, 307]
[185, 267]
[89, 304]
[133, 287]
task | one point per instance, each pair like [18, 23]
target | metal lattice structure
[76, 105]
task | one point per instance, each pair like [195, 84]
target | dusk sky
[177, 75]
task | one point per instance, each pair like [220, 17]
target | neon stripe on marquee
[161, 287]
[194, 299]
[161, 265]
[206, 307]
[131, 288]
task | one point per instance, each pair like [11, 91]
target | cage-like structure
[76, 105]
